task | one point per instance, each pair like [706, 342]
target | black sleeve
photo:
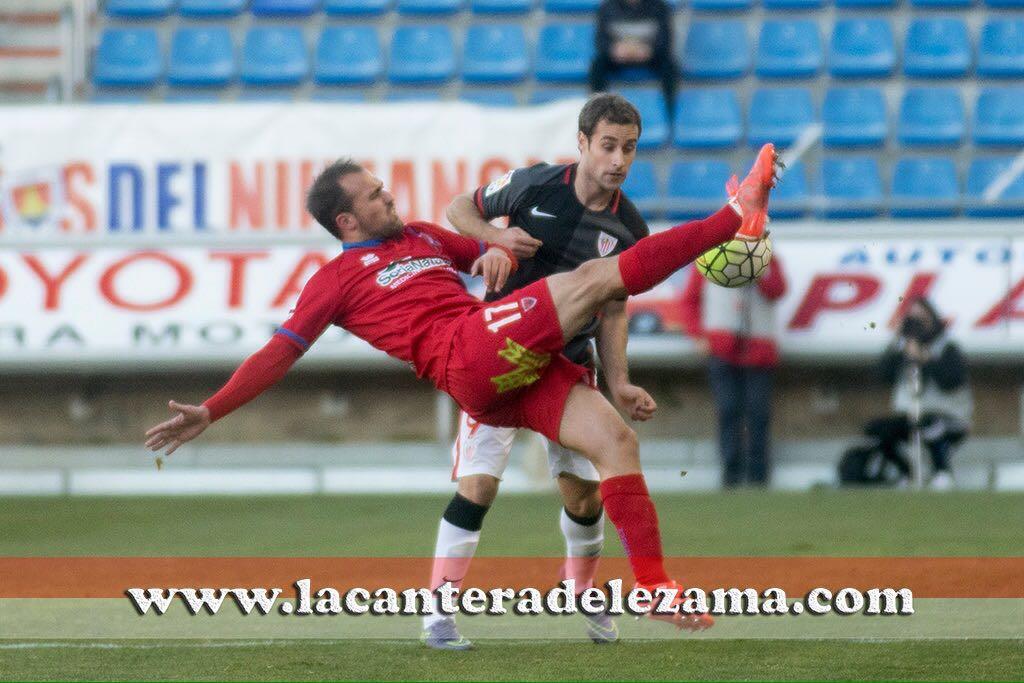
[663, 41]
[631, 218]
[949, 370]
[507, 194]
[602, 41]
[892, 361]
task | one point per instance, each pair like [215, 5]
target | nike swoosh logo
[535, 211]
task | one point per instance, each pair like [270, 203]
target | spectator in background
[923, 346]
[735, 330]
[635, 33]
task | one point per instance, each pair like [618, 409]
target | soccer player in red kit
[397, 287]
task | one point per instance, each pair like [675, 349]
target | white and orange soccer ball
[736, 263]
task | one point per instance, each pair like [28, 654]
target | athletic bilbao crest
[605, 243]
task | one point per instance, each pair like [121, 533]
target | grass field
[742, 523]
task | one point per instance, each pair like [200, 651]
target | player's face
[373, 207]
[609, 152]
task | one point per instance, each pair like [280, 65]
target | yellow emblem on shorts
[529, 365]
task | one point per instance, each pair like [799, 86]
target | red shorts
[506, 367]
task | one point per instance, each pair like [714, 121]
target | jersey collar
[358, 245]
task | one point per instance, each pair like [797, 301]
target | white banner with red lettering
[243, 169]
[192, 304]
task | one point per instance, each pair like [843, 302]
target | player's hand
[495, 266]
[189, 423]
[634, 401]
[518, 241]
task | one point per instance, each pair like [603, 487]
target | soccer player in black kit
[559, 217]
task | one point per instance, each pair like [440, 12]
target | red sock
[629, 506]
[651, 260]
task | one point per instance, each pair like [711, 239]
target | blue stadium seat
[128, 57]
[865, 3]
[790, 197]
[861, 47]
[495, 53]
[1001, 48]
[501, 6]
[924, 187]
[721, 5]
[650, 102]
[571, 5]
[937, 47]
[696, 188]
[564, 51]
[356, 7]
[422, 54]
[210, 8]
[348, 55]
[999, 116]
[641, 187]
[274, 55]
[546, 95]
[201, 56]
[788, 49]
[779, 115]
[854, 116]
[283, 8]
[139, 9]
[982, 173]
[1005, 3]
[716, 49]
[793, 4]
[118, 97]
[489, 97]
[931, 116]
[851, 187]
[428, 6]
[941, 3]
[708, 117]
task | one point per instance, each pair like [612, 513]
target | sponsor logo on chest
[397, 272]
[605, 243]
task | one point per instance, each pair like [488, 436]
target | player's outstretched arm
[612, 337]
[258, 373]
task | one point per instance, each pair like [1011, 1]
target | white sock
[583, 545]
[452, 554]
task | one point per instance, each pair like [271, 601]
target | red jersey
[400, 295]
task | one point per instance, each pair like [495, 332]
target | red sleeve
[258, 373]
[317, 307]
[462, 250]
[773, 283]
[692, 304]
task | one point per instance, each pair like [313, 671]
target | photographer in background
[941, 396]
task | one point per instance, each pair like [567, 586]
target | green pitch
[817, 523]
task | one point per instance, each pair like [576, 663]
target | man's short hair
[327, 198]
[608, 107]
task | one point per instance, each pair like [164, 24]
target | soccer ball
[736, 263]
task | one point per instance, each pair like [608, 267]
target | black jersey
[541, 200]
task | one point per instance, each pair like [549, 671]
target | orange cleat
[680, 619]
[750, 198]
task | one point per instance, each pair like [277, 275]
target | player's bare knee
[481, 489]
[624, 443]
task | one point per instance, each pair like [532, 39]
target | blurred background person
[735, 330]
[635, 34]
[942, 393]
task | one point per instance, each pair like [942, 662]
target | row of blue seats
[846, 187]
[499, 53]
[850, 117]
[207, 8]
